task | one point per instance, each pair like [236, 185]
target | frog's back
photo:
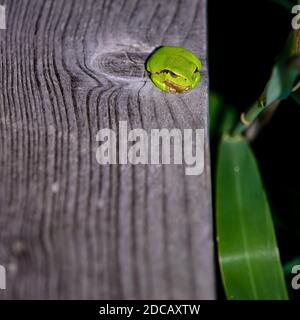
[162, 57]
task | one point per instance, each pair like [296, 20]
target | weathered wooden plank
[69, 227]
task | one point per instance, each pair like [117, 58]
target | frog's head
[180, 76]
[174, 69]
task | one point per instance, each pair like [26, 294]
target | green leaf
[282, 83]
[229, 119]
[248, 253]
[285, 71]
[222, 116]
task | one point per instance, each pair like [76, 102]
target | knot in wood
[123, 64]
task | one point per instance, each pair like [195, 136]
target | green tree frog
[174, 69]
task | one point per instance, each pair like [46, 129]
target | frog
[174, 69]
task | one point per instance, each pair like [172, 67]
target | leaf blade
[248, 254]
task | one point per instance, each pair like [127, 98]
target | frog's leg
[158, 81]
[196, 80]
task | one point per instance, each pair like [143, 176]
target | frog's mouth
[174, 87]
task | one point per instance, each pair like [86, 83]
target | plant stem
[248, 118]
[287, 69]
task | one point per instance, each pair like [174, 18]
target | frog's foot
[174, 88]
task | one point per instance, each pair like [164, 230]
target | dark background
[245, 37]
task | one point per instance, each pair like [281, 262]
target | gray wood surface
[70, 228]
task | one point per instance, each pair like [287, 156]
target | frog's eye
[174, 75]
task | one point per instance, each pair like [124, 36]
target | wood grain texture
[70, 228]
